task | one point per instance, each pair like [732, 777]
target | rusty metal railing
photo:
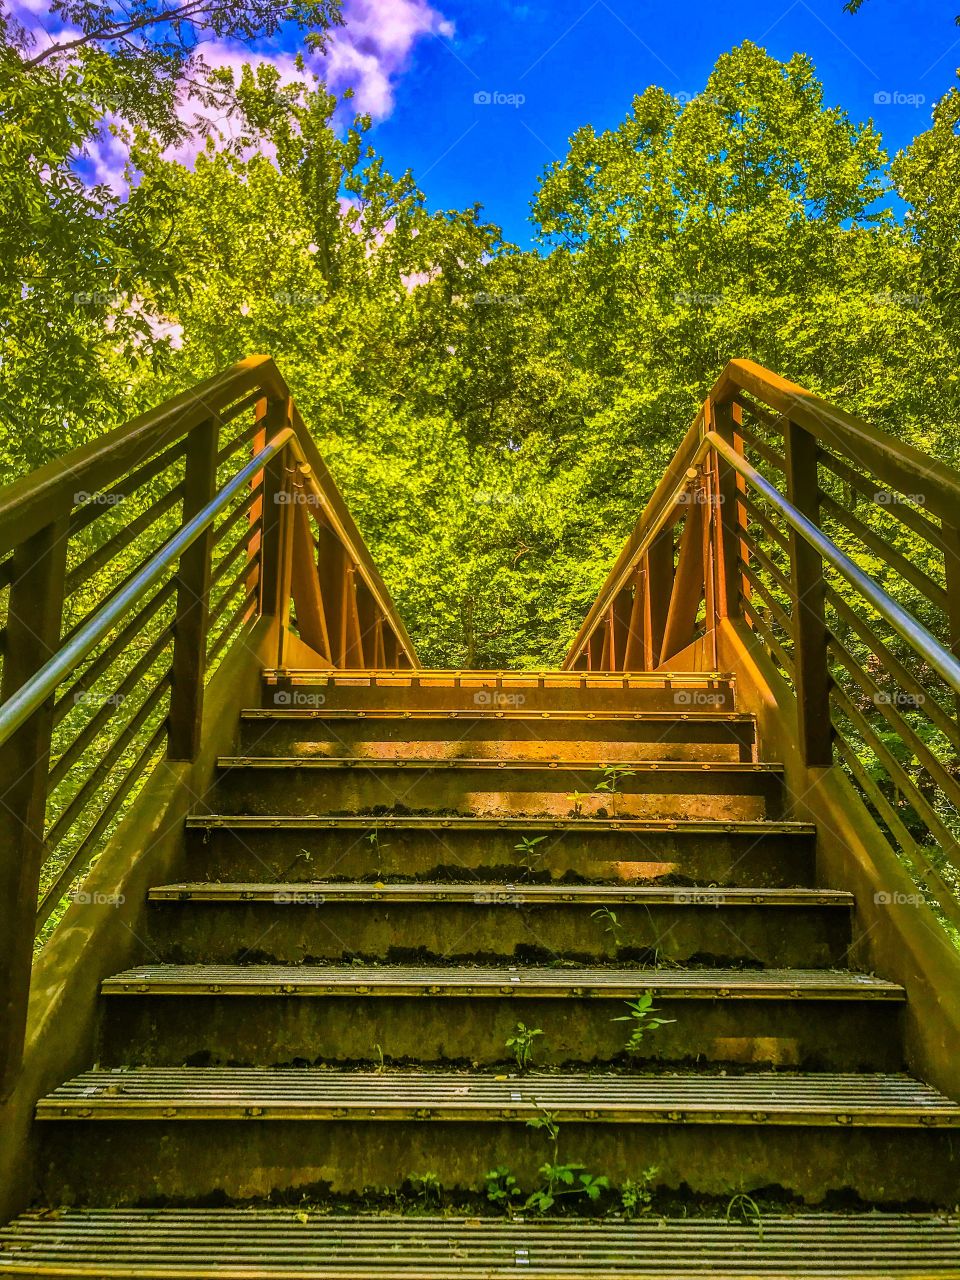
[128, 569]
[838, 547]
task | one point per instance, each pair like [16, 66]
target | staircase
[395, 870]
[319, 963]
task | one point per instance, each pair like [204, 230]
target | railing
[838, 546]
[128, 569]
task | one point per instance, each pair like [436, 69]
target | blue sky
[581, 61]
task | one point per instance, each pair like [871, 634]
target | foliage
[642, 1016]
[521, 1042]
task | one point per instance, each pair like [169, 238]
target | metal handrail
[32, 695]
[903, 622]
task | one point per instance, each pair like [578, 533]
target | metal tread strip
[643, 826]
[318, 892]
[202, 1093]
[493, 981]
[487, 713]
[486, 764]
[277, 1244]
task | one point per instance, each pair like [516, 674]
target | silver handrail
[44, 682]
[904, 623]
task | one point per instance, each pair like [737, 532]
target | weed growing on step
[558, 1180]
[373, 840]
[610, 782]
[378, 1051]
[636, 1194]
[502, 1189]
[521, 1042]
[527, 847]
[577, 798]
[428, 1189]
[746, 1208]
[611, 924]
[643, 1018]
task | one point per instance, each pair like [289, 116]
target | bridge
[316, 962]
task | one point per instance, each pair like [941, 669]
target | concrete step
[253, 1014]
[356, 1130]
[546, 735]
[754, 853]
[293, 921]
[724, 790]
[289, 1244]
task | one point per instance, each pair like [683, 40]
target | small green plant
[636, 1194]
[521, 1042]
[611, 923]
[378, 1051]
[373, 840]
[528, 852]
[747, 1209]
[643, 1018]
[558, 1179]
[427, 1188]
[610, 782]
[501, 1188]
[577, 798]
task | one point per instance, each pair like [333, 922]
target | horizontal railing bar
[227, 414]
[221, 530]
[242, 438]
[770, 529]
[767, 453]
[26, 503]
[783, 619]
[771, 422]
[897, 561]
[84, 738]
[902, 511]
[240, 546]
[895, 462]
[110, 757]
[121, 540]
[125, 486]
[767, 636]
[249, 599]
[907, 735]
[82, 854]
[903, 622]
[767, 565]
[926, 704]
[218, 610]
[18, 708]
[118, 645]
[945, 893]
[898, 775]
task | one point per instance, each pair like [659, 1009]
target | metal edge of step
[278, 1244]
[283, 712]
[757, 828]
[490, 982]
[318, 892]
[486, 764]
[444, 677]
[844, 1099]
